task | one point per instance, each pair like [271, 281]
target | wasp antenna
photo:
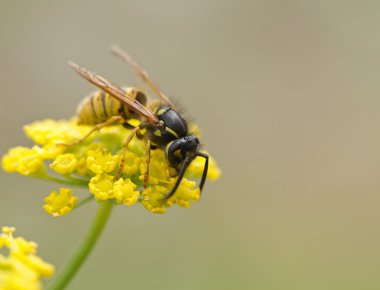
[141, 72]
[73, 64]
[122, 54]
[114, 46]
[205, 169]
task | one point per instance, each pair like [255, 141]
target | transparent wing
[142, 73]
[116, 92]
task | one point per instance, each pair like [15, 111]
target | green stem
[78, 182]
[76, 179]
[84, 201]
[85, 247]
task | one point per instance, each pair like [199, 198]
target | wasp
[160, 122]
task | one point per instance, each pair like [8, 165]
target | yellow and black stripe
[99, 106]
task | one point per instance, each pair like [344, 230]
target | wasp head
[179, 149]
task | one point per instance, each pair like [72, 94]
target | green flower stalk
[84, 249]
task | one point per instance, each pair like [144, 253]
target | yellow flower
[101, 162]
[64, 163]
[21, 269]
[23, 160]
[124, 191]
[186, 192]
[7, 231]
[137, 146]
[153, 196]
[158, 169]
[52, 150]
[102, 186]
[131, 164]
[52, 131]
[82, 169]
[153, 199]
[196, 169]
[59, 204]
[95, 162]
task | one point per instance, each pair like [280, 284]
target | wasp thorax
[171, 127]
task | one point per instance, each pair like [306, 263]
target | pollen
[61, 203]
[21, 268]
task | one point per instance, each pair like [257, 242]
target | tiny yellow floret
[158, 169]
[186, 192]
[8, 230]
[131, 164]
[52, 150]
[153, 199]
[101, 162]
[102, 186]
[64, 163]
[61, 203]
[124, 191]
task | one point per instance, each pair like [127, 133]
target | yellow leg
[125, 146]
[147, 161]
[109, 122]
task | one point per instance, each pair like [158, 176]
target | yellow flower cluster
[95, 163]
[23, 160]
[21, 268]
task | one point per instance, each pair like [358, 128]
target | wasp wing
[116, 92]
[141, 72]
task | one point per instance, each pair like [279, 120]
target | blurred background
[287, 96]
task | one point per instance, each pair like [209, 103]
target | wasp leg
[147, 162]
[97, 127]
[125, 146]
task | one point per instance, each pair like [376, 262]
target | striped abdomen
[100, 106]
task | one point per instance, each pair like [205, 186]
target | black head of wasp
[160, 123]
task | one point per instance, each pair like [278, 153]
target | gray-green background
[287, 95]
